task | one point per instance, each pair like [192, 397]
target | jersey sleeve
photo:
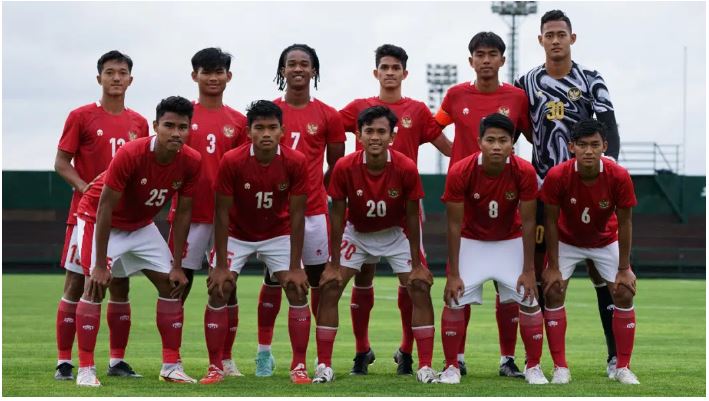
[624, 190]
[298, 176]
[120, 170]
[144, 128]
[338, 181]
[455, 184]
[189, 184]
[551, 189]
[335, 129]
[224, 184]
[431, 128]
[71, 136]
[599, 92]
[349, 117]
[527, 183]
[443, 117]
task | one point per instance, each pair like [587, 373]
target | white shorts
[605, 259]
[359, 248]
[501, 261]
[316, 242]
[142, 249]
[274, 252]
[422, 252]
[71, 257]
[200, 241]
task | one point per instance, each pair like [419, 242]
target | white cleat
[426, 375]
[230, 368]
[610, 369]
[449, 376]
[561, 375]
[87, 377]
[323, 374]
[176, 374]
[534, 375]
[625, 376]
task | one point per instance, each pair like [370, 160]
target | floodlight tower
[513, 9]
[439, 77]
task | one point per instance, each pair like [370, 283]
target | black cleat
[362, 360]
[64, 371]
[509, 369]
[122, 369]
[404, 363]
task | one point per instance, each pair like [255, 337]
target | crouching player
[267, 185]
[485, 195]
[381, 189]
[116, 223]
[588, 205]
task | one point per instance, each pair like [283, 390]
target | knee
[418, 290]
[119, 289]
[74, 287]
[622, 297]
[554, 296]
[366, 276]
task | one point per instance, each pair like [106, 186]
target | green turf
[669, 358]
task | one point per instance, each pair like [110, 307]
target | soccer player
[589, 201]
[92, 135]
[267, 184]
[381, 189]
[490, 201]
[561, 93]
[465, 105]
[116, 223]
[215, 129]
[314, 129]
[415, 127]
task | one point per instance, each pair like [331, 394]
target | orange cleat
[299, 375]
[214, 375]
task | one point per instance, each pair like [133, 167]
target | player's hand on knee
[98, 282]
[178, 282]
[331, 274]
[453, 291]
[550, 277]
[420, 274]
[627, 279]
[218, 279]
[528, 283]
[298, 280]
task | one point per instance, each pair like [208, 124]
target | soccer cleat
[176, 374]
[214, 375]
[404, 363]
[323, 374]
[265, 363]
[561, 375]
[426, 375]
[64, 371]
[610, 369]
[87, 377]
[362, 360]
[299, 375]
[230, 368]
[463, 368]
[510, 369]
[449, 376]
[625, 376]
[534, 375]
[122, 369]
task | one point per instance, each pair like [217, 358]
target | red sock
[325, 339]
[556, 334]
[466, 310]
[360, 307]
[424, 344]
[507, 316]
[299, 332]
[170, 317]
[406, 308]
[452, 328]
[532, 328]
[118, 317]
[233, 314]
[314, 300]
[216, 326]
[624, 334]
[269, 304]
[88, 320]
[66, 328]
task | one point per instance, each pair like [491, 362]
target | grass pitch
[669, 357]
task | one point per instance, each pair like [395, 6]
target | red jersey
[415, 125]
[261, 193]
[93, 136]
[376, 202]
[491, 211]
[212, 133]
[587, 211]
[309, 130]
[464, 105]
[146, 184]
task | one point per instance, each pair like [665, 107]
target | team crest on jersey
[143, 181]
[282, 186]
[228, 131]
[510, 195]
[195, 127]
[604, 204]
[573, 201]
[504, 110]
[99, 132]
[176, 185]
[393, 193]
[406, 122]
[132, 135]
[247, 186]
[574, 94]
[360, 192]
[466, 111]
[312, 128]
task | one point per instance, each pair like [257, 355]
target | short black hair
[391, 51]
[114, 55]
[281, 80]
[586, 128]
[263, 109]
[175, 104]
[486, 39]
[211, 59]
[554, 15]
[374, 112]
[497, 120]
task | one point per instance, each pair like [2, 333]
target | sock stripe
[69, 302]
[554, 309]
[119, 302]
[82, 300]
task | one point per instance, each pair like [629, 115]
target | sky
[50, 49]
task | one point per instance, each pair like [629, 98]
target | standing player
[589, 201]
[465, 105]
[267, 185]
[562, 93]
[120, 207]
[314, 129]
[493, 194]
[92, 135]
[215, 129]
[380, 189]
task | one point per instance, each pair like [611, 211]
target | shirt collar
[364, 157]
[576, 165]
[252, 153]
